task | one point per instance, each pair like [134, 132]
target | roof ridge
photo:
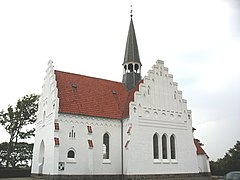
[89, 77]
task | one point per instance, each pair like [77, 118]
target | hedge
[13, 172]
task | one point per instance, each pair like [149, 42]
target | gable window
[56, 141]
[173, 148]
[148, 90]
[106, 146]
[72, 134]
[56, 126]
[71, 154]
[155, 147]
[164, 146]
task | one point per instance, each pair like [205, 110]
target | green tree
[15, 119]
[232, 157]
[230, 161]
[20, 157]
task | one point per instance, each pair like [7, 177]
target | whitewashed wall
[47, 113]
[158, 107]
[203, 163]
[89, 160]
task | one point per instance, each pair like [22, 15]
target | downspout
[116, 98]
[122, 145]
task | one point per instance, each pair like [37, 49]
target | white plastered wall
[89, 161]
[203, 163]
[47, 113]
[158, 107]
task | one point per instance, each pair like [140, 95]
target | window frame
[69, 151]
[173, 147]
[164, 147]
[106, 143]
[155, 146]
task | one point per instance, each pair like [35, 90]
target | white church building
[92, 128]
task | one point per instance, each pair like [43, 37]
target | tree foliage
[231, 160]
[15, 120]
[20, 157]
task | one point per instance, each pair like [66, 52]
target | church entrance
[41, 158]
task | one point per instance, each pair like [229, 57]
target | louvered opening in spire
[131, 51]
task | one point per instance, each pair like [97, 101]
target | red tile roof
[200, 150]
[90, 96]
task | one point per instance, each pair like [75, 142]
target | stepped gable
[84, 95]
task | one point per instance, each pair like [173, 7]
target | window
[148, 90]
[72, 134]
[71, 154]
[90, 143]
[89, 129]
[56, 140]
[106, 146]
[129, 130]
[164, 146]
[56, 126]
[126, 145]
[155, 147]
[130, 67]
[136, 67]
[172, 145]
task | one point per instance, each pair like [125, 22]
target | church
[93, 128]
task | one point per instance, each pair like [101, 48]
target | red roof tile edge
[200, 150]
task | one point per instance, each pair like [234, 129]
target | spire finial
[131, 15]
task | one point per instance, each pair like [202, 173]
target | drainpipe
[122, 144]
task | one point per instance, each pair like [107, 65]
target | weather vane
[131, 11]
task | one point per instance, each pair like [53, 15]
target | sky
[198, 40]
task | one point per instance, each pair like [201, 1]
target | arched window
[125, 68]
[106, 146]
[148, 90]
[136, 68]
[71, 154]
[130, 67]
[72, 134]
[155, 147]
[164, 146]
[173, 148]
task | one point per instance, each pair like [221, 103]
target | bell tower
[131, 64]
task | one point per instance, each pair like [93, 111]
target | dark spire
[131, 51]
[131, 64]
